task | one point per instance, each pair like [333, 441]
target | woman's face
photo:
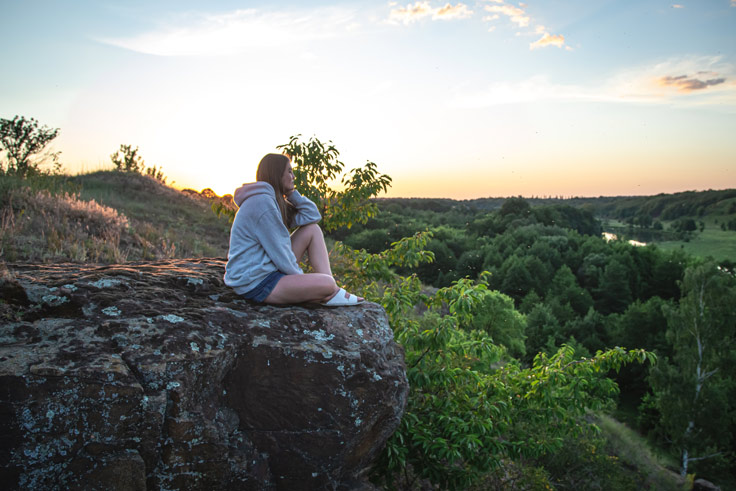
[287, 179]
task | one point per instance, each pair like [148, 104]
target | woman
[263, 260]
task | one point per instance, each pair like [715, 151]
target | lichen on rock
[157, 376]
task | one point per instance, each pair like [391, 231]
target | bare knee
[330, 286]
[313, 229]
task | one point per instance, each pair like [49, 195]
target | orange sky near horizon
[461, 101]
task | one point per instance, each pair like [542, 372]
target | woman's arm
[273, 236]
[306, 211]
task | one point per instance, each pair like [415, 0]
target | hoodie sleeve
[275, 240]
[306, 211]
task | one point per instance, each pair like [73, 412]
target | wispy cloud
[518, 16]
[237, 31]
[713, 86]
[691, 79]
[421, 10]
[683, 83]
[677, 6]
[548, 39]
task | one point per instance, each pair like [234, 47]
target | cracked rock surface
[157, 376]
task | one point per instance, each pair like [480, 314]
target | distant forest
[661, 206]
[575, 288]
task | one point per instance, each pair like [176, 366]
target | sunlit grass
[106, 217]
[712, 241]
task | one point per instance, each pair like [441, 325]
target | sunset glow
[458, 100]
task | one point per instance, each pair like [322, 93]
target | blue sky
[459, 99]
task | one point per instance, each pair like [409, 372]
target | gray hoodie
[259, 241]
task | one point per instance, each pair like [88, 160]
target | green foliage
[471, 408]
[126, 159]
[24, 141]
[515, 207]
[693, 389]
[684, 225]
[316, 165]
[574, 289]
[668, 206]
[614, 292]
[495, 314]
[157, 174]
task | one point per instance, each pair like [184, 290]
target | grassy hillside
[712, 241]
[692, 204]
[106, 217]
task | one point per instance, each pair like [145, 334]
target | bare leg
[298, 288]
[319, 286]
[310, 239]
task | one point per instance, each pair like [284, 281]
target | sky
[456, 100]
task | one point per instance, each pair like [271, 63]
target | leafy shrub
[471, 410]
[127, 159]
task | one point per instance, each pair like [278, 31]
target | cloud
[677, 6]
[548, 39]
[713, 85]
[683, 83]
[420, 10]
[459, 11]
[518, 16]
[237, 31]
[515, 14]
[668, 82]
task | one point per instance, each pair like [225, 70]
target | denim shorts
[265, 287]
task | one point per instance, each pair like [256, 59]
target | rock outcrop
[157, 376]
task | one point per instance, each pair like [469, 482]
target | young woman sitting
[263, 260]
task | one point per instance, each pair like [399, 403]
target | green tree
[565, 288]
[694, 390]
[542, 330]
[614, 292]
[24, 142]
[316, 165]
[127, 159]
[515, 207]
[441, 271]
[515, 279]
[496, 315]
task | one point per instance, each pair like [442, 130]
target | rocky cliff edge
[157, 376]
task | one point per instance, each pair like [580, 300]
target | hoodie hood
[250, 189]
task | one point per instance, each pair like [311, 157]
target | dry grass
[106, 217]
[36, 225]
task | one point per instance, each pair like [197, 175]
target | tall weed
[38, 225]
[105, 217]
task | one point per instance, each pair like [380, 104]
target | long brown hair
[271, 170]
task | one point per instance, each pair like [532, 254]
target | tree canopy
[24, 142]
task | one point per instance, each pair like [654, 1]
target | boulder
[157, 376]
